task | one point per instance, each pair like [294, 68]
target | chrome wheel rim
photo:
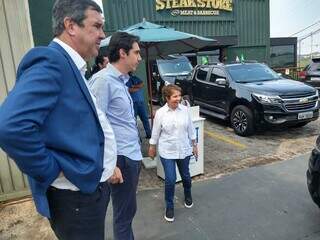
[240, 121]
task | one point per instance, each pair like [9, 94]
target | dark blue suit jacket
[48, 124]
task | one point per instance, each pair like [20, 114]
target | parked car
[250, 95]
[166, 71]
[313, 173]
[311, 73]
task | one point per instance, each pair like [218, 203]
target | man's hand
[116, 176]
[152, 151]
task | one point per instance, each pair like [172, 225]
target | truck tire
[313, 176]
[242, 121]
[313, 186]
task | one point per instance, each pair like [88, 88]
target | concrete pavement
[262, 203]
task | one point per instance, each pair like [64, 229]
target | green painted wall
[40, 14]
[122, 13]
[249, 21]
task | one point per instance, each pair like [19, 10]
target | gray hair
[75, 9]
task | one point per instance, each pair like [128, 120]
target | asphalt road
[248, 201]
[262, 203]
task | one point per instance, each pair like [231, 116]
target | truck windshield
[251, 73]
[174, 67]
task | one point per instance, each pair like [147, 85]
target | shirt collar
[169, 109]
[75, 56]
[116, 73]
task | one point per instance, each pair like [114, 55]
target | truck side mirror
[221, 81]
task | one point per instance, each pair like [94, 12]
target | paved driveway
[263, 203]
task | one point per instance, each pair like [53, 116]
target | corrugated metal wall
[16, 39]
[253, 30]
[40, 14]
[252, 22]
[249, 20]
[123, 13]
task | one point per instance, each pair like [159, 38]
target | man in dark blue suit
[51, 127]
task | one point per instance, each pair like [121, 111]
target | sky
[290, 16]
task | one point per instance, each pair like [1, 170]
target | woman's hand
[195, 151]
[152, 151]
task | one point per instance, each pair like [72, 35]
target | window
[282, 56]
[208, 57]
[251, 72]
[216, 73]
[202, 73]
[174, 67]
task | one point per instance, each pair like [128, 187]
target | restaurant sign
[194, 7]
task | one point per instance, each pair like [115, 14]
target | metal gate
[16, 39]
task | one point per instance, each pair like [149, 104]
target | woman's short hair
[168, 91]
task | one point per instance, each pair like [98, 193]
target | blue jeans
[76, 215]
[141, 111]
[169, 167]
[124, 198]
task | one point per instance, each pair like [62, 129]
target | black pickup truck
[166, 71]
[249, 95]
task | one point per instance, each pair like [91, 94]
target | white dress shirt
[110, 149]
[173, 130]
[113, 98]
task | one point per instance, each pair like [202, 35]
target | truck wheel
[313, 186]
[242, 120]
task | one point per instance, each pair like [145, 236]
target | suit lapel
[77, 74]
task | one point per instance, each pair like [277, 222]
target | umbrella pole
[149, 80]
